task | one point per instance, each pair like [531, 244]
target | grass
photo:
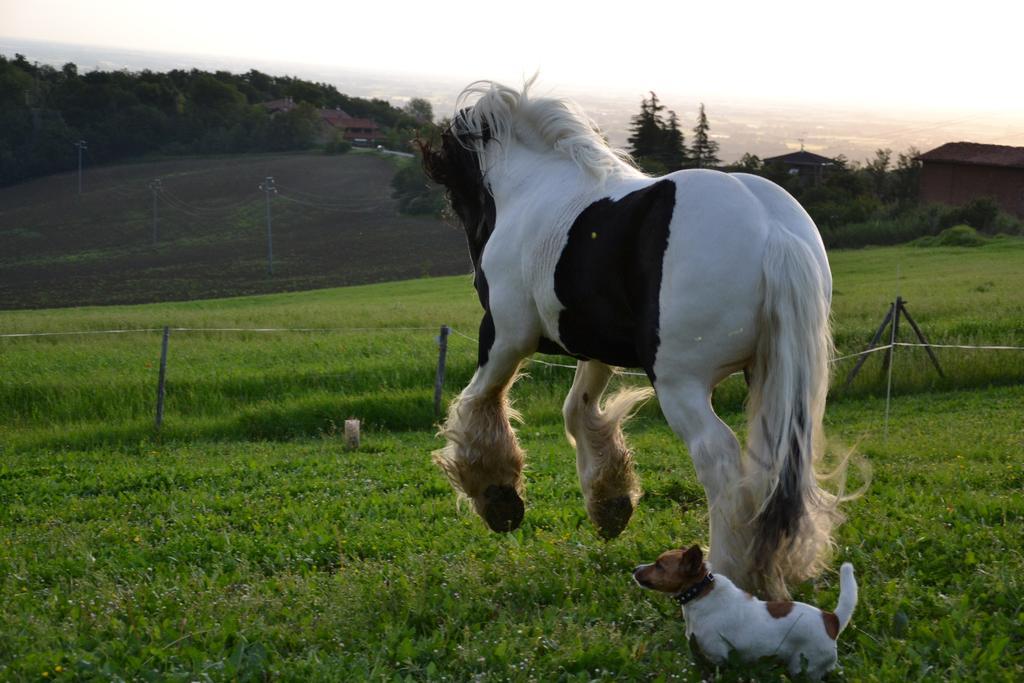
[244, 543]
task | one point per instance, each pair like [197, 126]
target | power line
[324, 199]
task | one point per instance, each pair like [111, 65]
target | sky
[892, 55]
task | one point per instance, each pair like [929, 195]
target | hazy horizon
[761, 126]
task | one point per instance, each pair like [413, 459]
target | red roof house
[357, 131]
[958, 172]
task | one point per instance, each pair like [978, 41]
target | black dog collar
[692, 592]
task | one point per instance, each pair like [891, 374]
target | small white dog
[723, 618]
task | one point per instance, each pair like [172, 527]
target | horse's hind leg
[686, 404]
[603, 460]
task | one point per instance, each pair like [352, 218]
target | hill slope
[334, 223]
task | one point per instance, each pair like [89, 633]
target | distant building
[958, 172]
[808, 166]
[360, 132]
[285, 104]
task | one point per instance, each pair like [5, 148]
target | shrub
[416, 195]
[981, 214]
[957, 236]
[337, 145]
[911, 225]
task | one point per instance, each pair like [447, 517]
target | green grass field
[245, 543]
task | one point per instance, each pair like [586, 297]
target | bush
[337, 146]
[957, 236]
[416, 195]
[922, 222]
[981, 214]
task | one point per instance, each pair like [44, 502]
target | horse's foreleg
[482, 458]
[716, 458]
[603, 460]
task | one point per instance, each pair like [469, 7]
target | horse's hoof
[503, 508]
[611, 516]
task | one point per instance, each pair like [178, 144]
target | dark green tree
[124, 114]
[420, 109]
[907, 177]
[673, 153]
[750, 163]
[704, 151]
[647, 130]
[878, 170]
[295, 129]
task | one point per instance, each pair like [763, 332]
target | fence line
[442, 344]
[220, 329]
[875, 349]
[963, 346]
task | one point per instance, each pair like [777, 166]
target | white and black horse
[691, 277]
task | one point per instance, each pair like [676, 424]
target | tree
[657, 146]
[674, 154]
[646, 129]
[907, 176]
[121, 113]
[420, 109]
[877, 169]
[704, 151]
[750, 163]
[295, 129]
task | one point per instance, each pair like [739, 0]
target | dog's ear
[692, 559]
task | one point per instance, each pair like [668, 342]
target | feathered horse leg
[603, 460]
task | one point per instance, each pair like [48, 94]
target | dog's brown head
[674, 571]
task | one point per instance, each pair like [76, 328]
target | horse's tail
[789, 379]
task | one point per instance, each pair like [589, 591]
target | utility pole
[154, 187]
[268, 188]
[81, 147]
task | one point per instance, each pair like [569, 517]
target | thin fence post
[442, 343]
[352, 434]
[871, 344]
[891, 357]
[163, 375]
[920, 336]
[897, 311]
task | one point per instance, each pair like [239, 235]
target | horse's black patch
[608, 277]
[456, 167]
[545, 345]
[486, 339]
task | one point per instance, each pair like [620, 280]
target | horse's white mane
[507, 114]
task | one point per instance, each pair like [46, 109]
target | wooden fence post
[442, 342]
[352, 434]
[163, 375]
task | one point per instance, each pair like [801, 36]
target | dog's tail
[847, 595]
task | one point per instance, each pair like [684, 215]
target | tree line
[124, 114]
[658, 144]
